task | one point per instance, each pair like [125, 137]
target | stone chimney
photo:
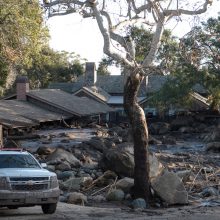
[22, 87]
[90, 74]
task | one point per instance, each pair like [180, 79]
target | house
[109, 89]
[29, 108]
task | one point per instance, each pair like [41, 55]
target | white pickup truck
[24, 182]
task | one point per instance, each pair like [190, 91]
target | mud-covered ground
[188, 153]
[74, 212]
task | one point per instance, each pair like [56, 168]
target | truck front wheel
[49, 208]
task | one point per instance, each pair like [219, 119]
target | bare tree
[112, 19]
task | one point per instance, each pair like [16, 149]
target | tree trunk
[140, 135]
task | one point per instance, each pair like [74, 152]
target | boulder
[76, 183]
[210, 191]
[170, 188]
[119, 161]
[64, 166]
[156, 167]
[66, 175]
[125, 184]
[139, 204]
[97, 144]
[60, 155]
[122, 162]
[159, 128]
[44, 150]
[115, 195]
[77, 198]
[213, 147]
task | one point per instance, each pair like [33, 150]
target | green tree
[22, 34]
[52, 66]
[197, 62]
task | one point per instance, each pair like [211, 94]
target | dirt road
[67, 212]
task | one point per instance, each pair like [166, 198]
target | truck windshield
[18, 161]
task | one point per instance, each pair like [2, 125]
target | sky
[72, 33]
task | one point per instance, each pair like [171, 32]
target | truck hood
[15, 172]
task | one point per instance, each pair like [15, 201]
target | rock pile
[102, 168]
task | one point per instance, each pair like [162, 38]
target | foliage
[22, 35]
[197, 62]
[24, 47]
[53, 66]
[103, 66]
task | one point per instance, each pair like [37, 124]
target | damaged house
[29, 108]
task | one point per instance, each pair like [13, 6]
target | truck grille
[28, 178]
[30, 187]
[29, 183]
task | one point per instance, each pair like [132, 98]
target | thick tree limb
[107, 43]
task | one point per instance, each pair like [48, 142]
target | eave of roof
[80, 106]
[15, 114]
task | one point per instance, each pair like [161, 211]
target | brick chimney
[22, 87]
[90, 74]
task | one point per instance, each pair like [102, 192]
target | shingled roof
[112, 84]
[79, 106]
[14, 114]
[96, 92]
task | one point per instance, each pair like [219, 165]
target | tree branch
[107, 43]
[188, 12]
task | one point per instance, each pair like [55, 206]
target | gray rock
[210, 191]
[156, 167]
[115, 195]
[97, 144]
[125, 184]
[44, 150]
[76, 198]
[159, 128]
[76, 183]
[66, 175]
[170, 188]
[61, 155]
[65, 166]
[122, 162]
[139, 204]
[184, 175]
[213, 147]
[119, 161]
[63, 199]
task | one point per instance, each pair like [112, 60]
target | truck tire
[49, 208]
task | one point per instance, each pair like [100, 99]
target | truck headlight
[53, 182]
[4, 184]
